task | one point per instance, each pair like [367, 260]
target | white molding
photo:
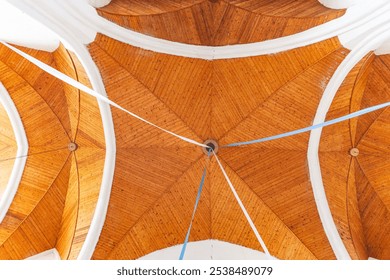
[340, 4]
[71, 39]
[51, 254]
[370, 43]
[209, 249]
[99, 3]
[20, 160]
[92, 21]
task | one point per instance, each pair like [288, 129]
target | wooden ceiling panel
[166, 222]
[280, 178]
[286, 8]
[375, 218]
[143, 177]
[49, 88]
[337, 137]
[8, 149]
[70, 215]
[147, 7]
[229, 223]
[377, 91]
[176, 98]
[38, 231]
[283, 111]
[34, 112]
[337, 169]
[40, 172]
[68, 65]
[219, 22]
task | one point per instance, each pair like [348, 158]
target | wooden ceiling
[58, 191]
[229, 100]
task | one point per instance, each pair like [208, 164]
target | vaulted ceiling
[155, 176]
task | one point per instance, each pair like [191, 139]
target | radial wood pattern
[226, 100]
[218, 22]
[356, 187]
[64, 186]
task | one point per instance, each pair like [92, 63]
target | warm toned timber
[218, 22]
[227, 100]
[8, 148]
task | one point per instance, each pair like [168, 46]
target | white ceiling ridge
[84, 22]
[351, 20]
[21, 154]
[340, 4]
[209, 249]
[369, 43]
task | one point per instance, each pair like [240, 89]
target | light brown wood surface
[218, 22]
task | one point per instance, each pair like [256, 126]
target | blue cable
[183, 249]
[301, 130]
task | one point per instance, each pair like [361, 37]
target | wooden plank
[42, 171]
[288, 107]
[143, 177]
[166, 222]
[375, 218]
[230, 225]
[64, 62]
[219, 22]
[149, 7]
[8, 148]
[70, 214]
[280, 179]
[176, 98]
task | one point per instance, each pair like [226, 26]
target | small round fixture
[72, 147]
[354, 152]
[212, 146]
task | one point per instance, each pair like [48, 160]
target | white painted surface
[20, 29]
[20, 158]
[99, 3]
[207, 250]
[48, 255]
[354, 36]
[340, 4]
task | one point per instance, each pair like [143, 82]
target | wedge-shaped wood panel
[39, 230]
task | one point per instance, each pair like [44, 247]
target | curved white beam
[20, 160]
[370, 43]
[354, 18]
[68, 37]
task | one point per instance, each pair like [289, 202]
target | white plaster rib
[370, 43]
[93, 73]
[20, 157]
[349, 21]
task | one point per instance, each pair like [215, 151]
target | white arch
[67, 37]
[20, 157]
[370, 43]
[209, 249]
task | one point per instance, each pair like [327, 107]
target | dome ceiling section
[373, 161]
[357, 183]
[173, 87]
[218, 23]
[54, 115]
